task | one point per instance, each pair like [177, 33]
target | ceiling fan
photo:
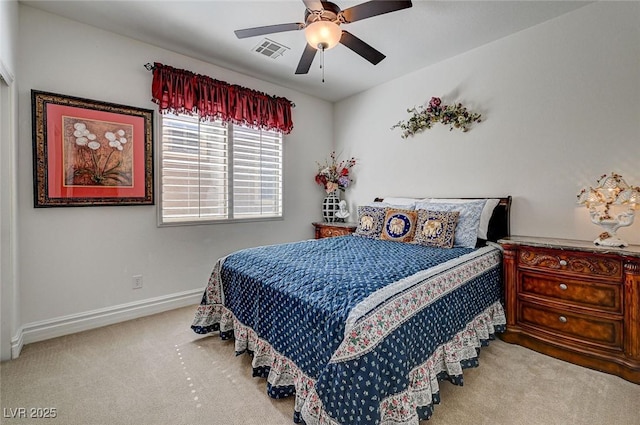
[322, 20]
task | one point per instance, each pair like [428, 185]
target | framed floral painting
[90, 153]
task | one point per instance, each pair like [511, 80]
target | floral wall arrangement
[423, 117]
[334, 174]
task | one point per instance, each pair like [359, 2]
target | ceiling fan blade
[313, 4]
[361, 48]
[269, 29]
[306, 60]
[373, 8]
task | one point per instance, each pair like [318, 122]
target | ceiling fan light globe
[323, 33]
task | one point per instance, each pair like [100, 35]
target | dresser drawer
[328, 232]
[575, 301]
[585, 328]
[595, 295]
[578, 264]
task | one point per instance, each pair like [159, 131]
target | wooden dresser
[329, 230]
[575, 301]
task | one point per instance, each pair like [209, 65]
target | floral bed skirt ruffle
[408, 407]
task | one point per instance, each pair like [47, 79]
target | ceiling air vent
[270, 48]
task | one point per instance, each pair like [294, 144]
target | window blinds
[212, 171]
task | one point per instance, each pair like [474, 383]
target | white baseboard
[17, 342]
[5, 74]
[65, 325]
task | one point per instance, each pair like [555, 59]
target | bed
[361, 328]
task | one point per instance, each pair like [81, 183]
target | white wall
[76, 260]
[561, 103]
[8, 124]
[8, 33]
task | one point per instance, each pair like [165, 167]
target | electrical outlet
[137, 281]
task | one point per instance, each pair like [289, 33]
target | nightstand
[329, 230]
[574, 301]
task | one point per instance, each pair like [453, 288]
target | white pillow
[487, 211]
[385, 204]
[409, 203]
[468, 222]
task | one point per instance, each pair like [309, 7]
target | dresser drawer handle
[563, 286]
[563, 262]
[562, 319]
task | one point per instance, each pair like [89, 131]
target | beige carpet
[156, 371]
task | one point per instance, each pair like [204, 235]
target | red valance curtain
[181, 91]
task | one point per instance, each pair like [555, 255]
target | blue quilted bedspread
[300, 298]
[308, 288]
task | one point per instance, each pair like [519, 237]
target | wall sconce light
[610, 190]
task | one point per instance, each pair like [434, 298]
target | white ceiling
[427, 33]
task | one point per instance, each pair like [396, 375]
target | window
[211, 172]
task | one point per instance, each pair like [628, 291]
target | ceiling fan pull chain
[322, 62]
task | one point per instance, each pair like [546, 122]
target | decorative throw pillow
[436, 228]
[399, 225]
[370, 221]
[468, 221]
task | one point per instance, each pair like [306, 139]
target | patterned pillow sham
[466, 234]
[485, 217]
[399, 225]
[436, 228]
[370, 220]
